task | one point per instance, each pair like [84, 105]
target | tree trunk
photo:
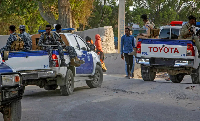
[46, 15]
[64, 10]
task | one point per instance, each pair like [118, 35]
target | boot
[78, 61]
[73, 63]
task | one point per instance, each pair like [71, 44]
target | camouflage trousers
[69, 49]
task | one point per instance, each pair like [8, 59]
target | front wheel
[68, 88]
[97, 78]
[12, 112]
[147, 73]
[176, 78]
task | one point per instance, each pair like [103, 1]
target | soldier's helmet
[22, 27]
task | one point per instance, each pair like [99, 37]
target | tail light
[190, 50]
[139, 47]
[3, 60]
[55, 58]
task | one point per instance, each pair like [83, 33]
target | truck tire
[195, 76]
[97, 78]
[176, 78]
[51, 87]
[13, 111]
[68, 88]
[147, 73]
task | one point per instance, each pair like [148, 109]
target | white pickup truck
[35, 70]
[169, 54]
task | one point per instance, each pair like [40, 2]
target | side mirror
[5, 55]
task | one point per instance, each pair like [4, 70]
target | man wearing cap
[188, 31]
[10, 40]
[25, 37]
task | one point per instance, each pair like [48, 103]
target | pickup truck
[177, 57]
[35, 69]
[11, 91]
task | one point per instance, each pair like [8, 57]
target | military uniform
[47, 39]
[10, 40]
[185, 33]
[69, 49]
[27, 40]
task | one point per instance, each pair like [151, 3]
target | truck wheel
[69, 81]
[12, 112]
[195, 76]
[97, 78]
[176, 78]
[147, 73]
[50, 87]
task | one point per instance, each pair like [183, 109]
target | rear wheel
[12, 112]
[68, 88]
[97, 79]
[50, 87]
[147, 73]
[176, 78]
[195, 76]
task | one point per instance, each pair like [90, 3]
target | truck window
[81, 43]
[174, 33]
[165, 34]
[73, 41]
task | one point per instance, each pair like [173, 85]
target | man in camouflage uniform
[188, 31]
[74, 61]
[26, 38]
[10, 40]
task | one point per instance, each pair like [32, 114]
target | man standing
[10, 40]
[127, 45]
[25, 37]
[74, 61]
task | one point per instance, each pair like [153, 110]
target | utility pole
[121, 22]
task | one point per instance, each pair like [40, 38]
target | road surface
[118, 99]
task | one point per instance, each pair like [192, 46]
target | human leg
[126, 69]
[127, 63]
[133, 67]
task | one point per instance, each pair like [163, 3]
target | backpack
[18, 44]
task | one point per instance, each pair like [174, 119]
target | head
[131, 32]
[48, 29]
[21, 29]
[58, 28]
[144, 18]
[12, 29]
[192, 20]
[97, 37]
[127, 31]
[87, 39]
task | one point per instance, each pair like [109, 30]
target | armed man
[74, 61]
[188, 31]
[26, 38]
[53, 39]
[10, 40]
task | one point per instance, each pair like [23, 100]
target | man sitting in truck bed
[53, 39]
[188, 31]
[10, 40]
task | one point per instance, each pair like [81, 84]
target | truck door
[86, 56]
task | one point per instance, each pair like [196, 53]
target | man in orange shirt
[99, 50]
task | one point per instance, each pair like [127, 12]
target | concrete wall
[3, 40]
